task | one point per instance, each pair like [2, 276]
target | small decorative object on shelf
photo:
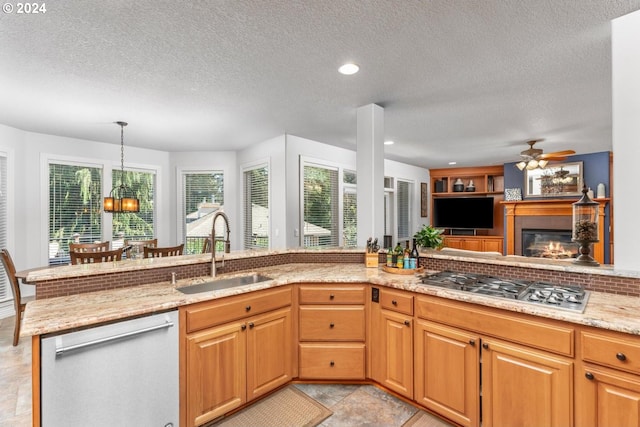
[458, 186]
[585, 227]
[470, 187]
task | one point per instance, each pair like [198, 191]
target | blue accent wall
[595, 171]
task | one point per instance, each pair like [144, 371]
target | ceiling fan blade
[555, 154]
[555, 159]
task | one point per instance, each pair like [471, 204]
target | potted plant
[429, 237]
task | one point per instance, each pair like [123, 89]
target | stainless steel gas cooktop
[569, 297]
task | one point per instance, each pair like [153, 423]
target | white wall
[625, 36]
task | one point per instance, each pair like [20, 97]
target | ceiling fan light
[521, 165]
[532, 164]
[543, 164]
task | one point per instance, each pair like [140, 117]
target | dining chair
[95, 257]
[19, 302]
[206, 245]
[135, 247]
[163, 252]
[89, 247]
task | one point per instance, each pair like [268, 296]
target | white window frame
[246, 167]
[135, 167]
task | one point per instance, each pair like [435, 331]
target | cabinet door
[525, 387]
[396, 353]
[607, 398]
[447, 365]
[215, 372]
[472, 245]
[452, 242]
[269, 352]
[492, 245]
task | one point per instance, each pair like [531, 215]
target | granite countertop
[607, 311]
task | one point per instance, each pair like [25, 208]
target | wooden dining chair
[89, 247]
[19, 302]
[95, 257]
[206, 245]
[163, 252]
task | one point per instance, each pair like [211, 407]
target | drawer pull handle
[394, 302]
[589, 376]
[485, 346]
[472, 342]
[331, 325]
[407, 323]
[332, 296]
[251, 325]
[248, 308]
[243, 327]
[621, 357]
[332, 363]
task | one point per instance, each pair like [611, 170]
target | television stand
[463, 232]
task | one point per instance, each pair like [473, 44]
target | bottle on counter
[389, 257]
[400, 256]
[414, 251]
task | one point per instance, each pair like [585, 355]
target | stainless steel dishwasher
[120, 374]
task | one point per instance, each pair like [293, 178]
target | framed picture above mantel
[557, 180]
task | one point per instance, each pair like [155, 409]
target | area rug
[288, 407]
[424, 419]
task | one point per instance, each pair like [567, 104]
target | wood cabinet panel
[447, 372]
[550, 336]
[613, 350]
[332, 361]
[475, 243]
[332, 294]
[525, 387]
[401, 302]
[324, 323]
[210, 313]
[396, 352]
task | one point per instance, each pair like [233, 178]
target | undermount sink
[231, 282]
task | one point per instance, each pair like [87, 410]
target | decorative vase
[458, 186]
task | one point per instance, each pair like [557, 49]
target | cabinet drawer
[332, 361]
[611, 350]
[210, 313]
[498, 323]
[400, 302]
[332, 294]
[319, 323]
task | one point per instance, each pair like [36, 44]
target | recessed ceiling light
[349, 69]
[453, 163]
[389, 143]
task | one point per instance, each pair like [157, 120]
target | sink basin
[231, 282]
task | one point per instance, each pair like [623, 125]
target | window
[349, 209]
[203, 194]
[320, 206]
[75, 207]
[404, 210]
[256, 208]
[138, 225]
[4, 283]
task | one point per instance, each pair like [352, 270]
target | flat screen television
[463, 212]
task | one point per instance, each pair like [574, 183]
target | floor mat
[424, 419]
[288, 407]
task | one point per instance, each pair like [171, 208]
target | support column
[370, 173]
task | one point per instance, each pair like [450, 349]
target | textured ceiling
[459, 80]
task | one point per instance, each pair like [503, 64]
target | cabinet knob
[243, 327]
[331, 325]
[251, 325]
[621, 357]
[394, 302]
[485, 345]
[407, 323]
[332, 296]
[589, 376]
[472, 342]
[332, 363]
[248, 308]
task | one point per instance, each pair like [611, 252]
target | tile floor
[352, 405]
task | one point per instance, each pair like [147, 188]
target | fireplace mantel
[549, 207]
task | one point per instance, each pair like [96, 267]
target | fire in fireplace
[554, 244]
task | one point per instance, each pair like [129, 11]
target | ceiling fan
[533, 158]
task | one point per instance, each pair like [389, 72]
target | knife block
[371, 260]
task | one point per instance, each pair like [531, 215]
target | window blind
[75, 208]
[4, 282]
[404, 219]
[349, 210]
[203, 194]
[320, 206]
[256, 208]
[135, 225]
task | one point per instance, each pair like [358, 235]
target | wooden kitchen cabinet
[522, 386]
[224, 366]
[332, 331]
[392, 341]
[447, 372]
[475, 243]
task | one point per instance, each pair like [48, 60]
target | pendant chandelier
[118, 200]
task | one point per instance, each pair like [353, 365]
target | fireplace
[553, 244]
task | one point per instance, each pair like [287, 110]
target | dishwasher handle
[61, 350]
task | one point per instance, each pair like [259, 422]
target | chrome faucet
[227, 241]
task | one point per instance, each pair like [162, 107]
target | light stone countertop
[607, 311]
